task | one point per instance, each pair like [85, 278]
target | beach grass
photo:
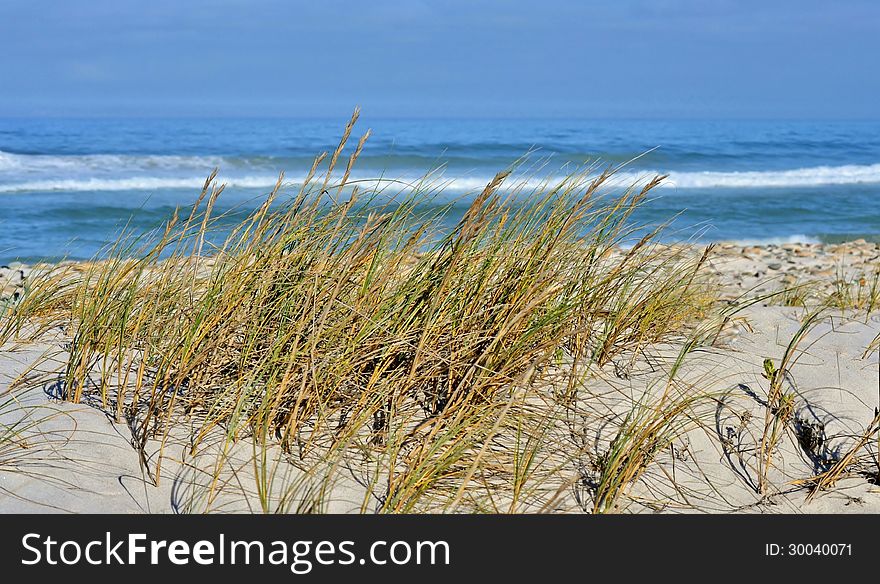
[363, 346]
[352, 338]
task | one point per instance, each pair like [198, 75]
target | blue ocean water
[68, 186]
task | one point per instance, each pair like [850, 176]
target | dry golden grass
[336, 323]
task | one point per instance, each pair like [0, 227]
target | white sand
[74, 458]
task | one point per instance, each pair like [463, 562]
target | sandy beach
[57, 456]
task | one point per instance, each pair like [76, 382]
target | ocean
[69, 186]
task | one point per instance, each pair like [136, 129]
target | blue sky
[457, 58]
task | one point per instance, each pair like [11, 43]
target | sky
[441, 58]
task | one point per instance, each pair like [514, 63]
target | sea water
[69, 186]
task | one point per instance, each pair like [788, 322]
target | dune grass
[851, 291]
[780, 404]
[23, 436]
[857, 455]
[12, 431]
[861, 293]
[339, 323]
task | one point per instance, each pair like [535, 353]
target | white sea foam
[106, 172]
[30, 164]
[137, 183]
[799, 177]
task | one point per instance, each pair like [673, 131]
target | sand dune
[65, 457]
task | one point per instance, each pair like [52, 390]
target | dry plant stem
[780, 404]
[827, 479]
